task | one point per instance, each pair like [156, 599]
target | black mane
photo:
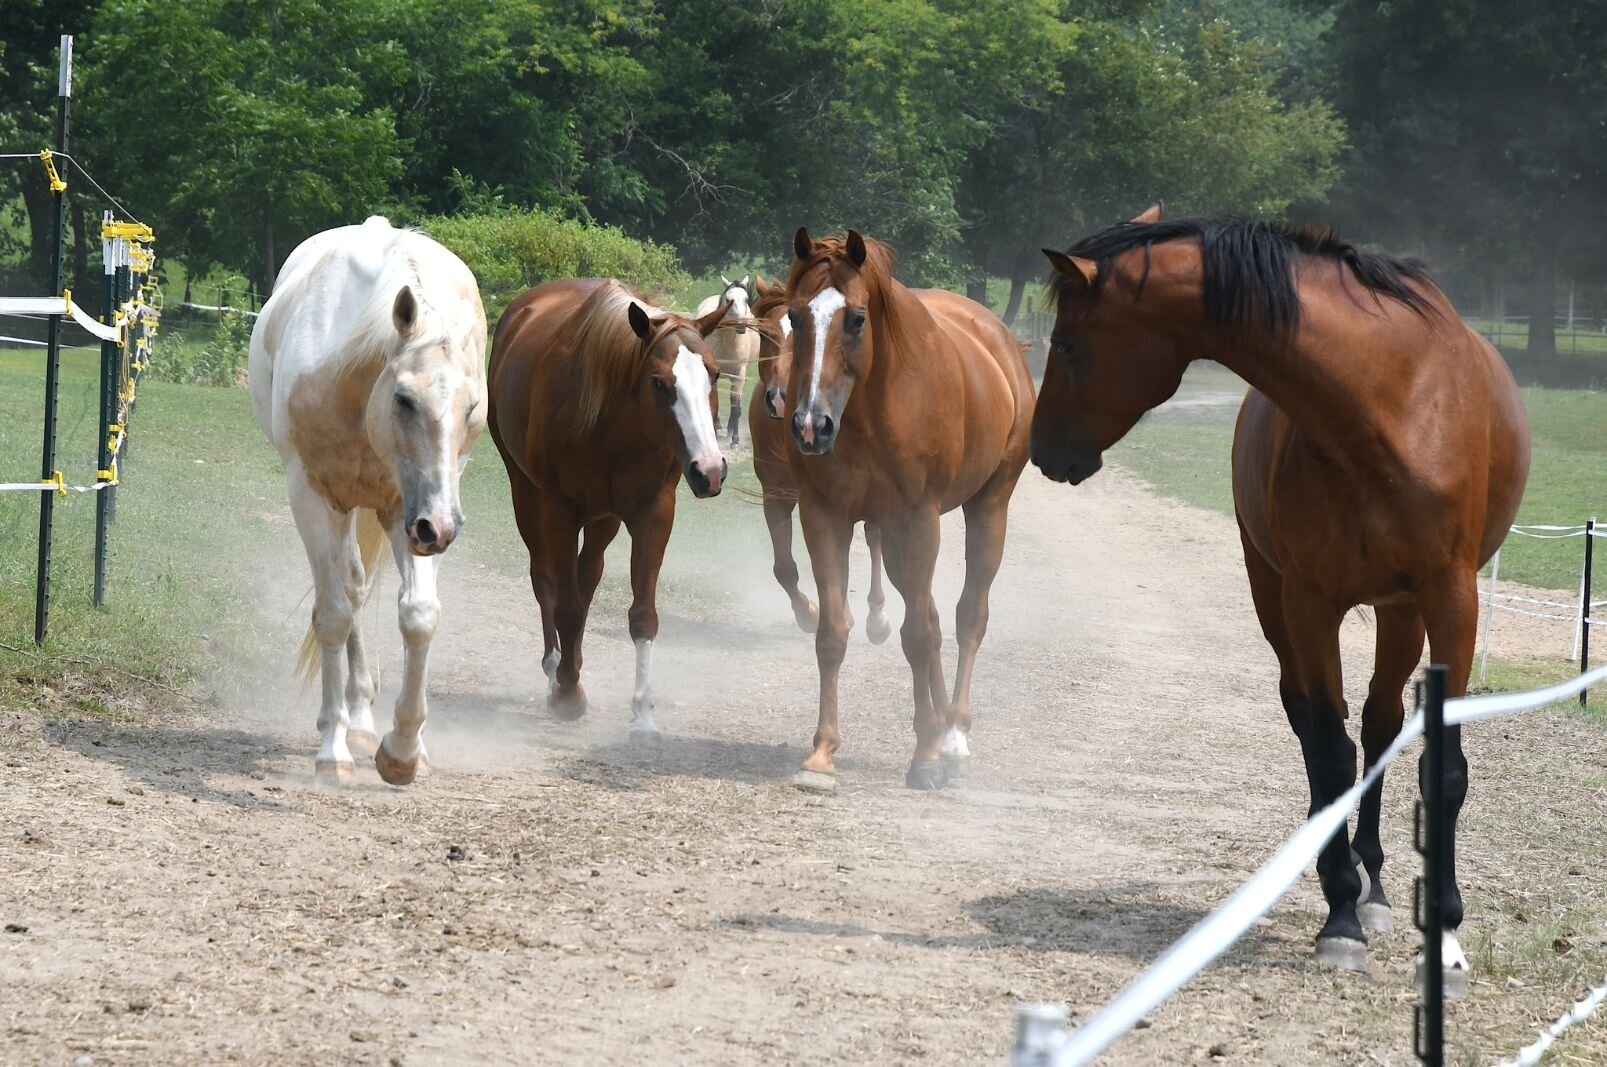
[1250, 266]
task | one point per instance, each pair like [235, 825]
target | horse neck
[1323, 381]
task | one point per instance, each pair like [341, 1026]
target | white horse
[733, 348]
[368, 374]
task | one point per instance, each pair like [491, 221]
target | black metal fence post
[1584, 607]
[47, 472]
[1429, 1028]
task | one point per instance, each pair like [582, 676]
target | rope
[59, 486]
[1582, 1010]
[1536, 614]
[1532, 600]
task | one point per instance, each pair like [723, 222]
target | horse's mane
[890, 303]
[604, 351]
[1249, 266]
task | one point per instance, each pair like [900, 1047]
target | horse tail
[372, 544]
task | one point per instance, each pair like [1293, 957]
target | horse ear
[856, 248]
[706, 325]
[725, 281]
[640, 322]
[404, 312]
[759, 285]
[803, 246]
[1151, 214]
[1073, 268]
[744, 281]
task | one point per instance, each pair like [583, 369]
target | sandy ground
[178, 890]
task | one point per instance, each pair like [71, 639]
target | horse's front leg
[650, 535]
[910, 552]
[327, 536]
[828, 536]
[401, 756]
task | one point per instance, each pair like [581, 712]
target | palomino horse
[734, 348]
[905, 404]
[599, 402]
[367, 373]
[771, 444]
[1380, 457]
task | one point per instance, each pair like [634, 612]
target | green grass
[1186, 454]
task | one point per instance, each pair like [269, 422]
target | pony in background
[734, 348]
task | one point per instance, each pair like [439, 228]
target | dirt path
[548, 895]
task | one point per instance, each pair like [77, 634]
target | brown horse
[905, 404]
[598, 403]
[1379, 459]
[771, 444]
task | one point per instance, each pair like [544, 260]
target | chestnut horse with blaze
[905, 404]
[599, 402]
[772, 443]
[1379, 459]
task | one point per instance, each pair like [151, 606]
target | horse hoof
[1342, 953]
[815, 782]
[932, 775]
[567, 706]
[362, 742]
[1376, 918]
[878, 629]
[393, 770]
[957, 766]
[646, 740]
[1454, 967]
[335, 772]
[808, 618]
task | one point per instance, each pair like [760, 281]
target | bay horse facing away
[734, 348]
[905, 404]
[367, 374]
[772, 443]
[1380, 457]
[599, 403]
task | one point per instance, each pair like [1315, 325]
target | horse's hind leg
[361, 736]
[527, 515]
[1451, 613]
[401, 754]
[778, 516]
[327, 536]
[877, 628]
[1400, 644]
[1304, 634]
[986, 517]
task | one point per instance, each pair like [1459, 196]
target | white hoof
[1458, 975]
[1342, 953]
[1376, 918]
[815, 782]
[956, 752]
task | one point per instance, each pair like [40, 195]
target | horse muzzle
[815, 432]
[705, 479]
[431, 537]
[1066, 467]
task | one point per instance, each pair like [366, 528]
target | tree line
[967, 133]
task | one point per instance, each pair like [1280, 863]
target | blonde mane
[605, 352]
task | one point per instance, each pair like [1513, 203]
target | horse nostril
[424, 532]
[725, 469]
[825, 426]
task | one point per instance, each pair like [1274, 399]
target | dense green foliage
[966, 132]
[509, 251]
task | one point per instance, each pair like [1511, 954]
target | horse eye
[404, 403]
[660, 385]
[855, 320]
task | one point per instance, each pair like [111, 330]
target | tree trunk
[977, 289]
[1543, 302]
[1018, 286]
[37, 197]
[269, 262]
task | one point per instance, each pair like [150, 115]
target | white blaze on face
[826, 304]
[786, 326]
[691, 408]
